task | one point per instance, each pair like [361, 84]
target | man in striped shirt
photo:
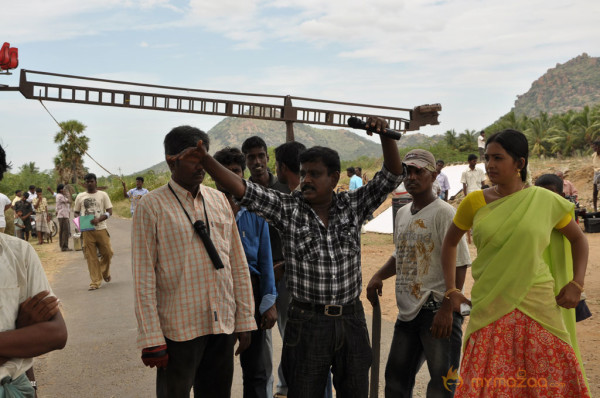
[189, 311]
[320, 229]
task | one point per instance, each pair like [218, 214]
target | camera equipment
[203, 232]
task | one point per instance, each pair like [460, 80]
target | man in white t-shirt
[481, 144]
[135, 194]
[96, 203]
[473, 177]
[5, 204]
[420, 287]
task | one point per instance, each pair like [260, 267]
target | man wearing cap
[416, 263]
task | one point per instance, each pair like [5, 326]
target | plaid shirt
[322, 265]
[178, 292]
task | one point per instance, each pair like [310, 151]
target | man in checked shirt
[189, 312]
[321, 235]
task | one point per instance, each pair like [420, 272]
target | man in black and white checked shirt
[321, 234]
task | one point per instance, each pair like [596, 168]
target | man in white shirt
[442, 180]
[32, 194]
[5, 204]
[96, 203]
[135, 194]
[473, 177]
[481, 144]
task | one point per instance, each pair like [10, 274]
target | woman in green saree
[517, 343]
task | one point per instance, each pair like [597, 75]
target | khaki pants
[2, 229]
[94, 242]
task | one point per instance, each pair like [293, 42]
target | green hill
[234, 131]
[569, 86]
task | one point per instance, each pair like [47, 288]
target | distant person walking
[472, 178]
[135, 194]
[63, 214]
[41, 216]
[96, 203]
[481, 144]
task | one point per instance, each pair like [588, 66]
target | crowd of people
[213, 268]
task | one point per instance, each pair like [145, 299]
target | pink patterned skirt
[516, 357]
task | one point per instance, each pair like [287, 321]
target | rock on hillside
[572, 85]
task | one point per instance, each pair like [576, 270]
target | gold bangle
[578, 286]
[450, 291]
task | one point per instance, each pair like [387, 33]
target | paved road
[101, 358]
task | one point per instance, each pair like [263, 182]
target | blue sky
[473, 57]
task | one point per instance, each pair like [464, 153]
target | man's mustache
[308, 187]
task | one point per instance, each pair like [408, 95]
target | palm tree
[451, 138]
[511, 121]
[467, 140]
[537, 135]
[565, 135]
[72, 146]
[589, 122]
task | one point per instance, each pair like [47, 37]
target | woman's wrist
[577, 285]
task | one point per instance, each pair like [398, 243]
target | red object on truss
[9, 57]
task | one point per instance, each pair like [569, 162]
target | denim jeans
[316, 343]
[412, 344]
[206, 363]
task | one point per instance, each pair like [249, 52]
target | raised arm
[125, 195]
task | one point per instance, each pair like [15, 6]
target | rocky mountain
[571, 85]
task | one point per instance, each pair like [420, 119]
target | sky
[472, 56]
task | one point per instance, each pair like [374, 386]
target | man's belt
[328, 309]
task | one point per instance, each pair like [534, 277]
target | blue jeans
[316, 343]
[412, 344]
